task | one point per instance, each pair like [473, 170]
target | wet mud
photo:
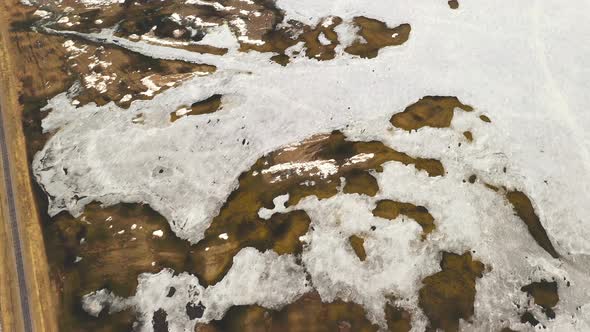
[308, 314]
[468, 135]
[453, 4]
[258, 25]
[206, 106]
[523, 207]
[447, 296]
[484, 118]
[107, 248]
[389, 209]
[313, 167]
[358, 245]
[375, 36]
[544, 294]
[429, 111]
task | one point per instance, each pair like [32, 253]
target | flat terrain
[36, 289]
[261, 165]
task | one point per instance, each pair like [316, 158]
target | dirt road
[26, 297]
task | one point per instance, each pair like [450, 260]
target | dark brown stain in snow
[308, 313]
[389, 209]
[448, 296]
[484, 118]
[375, 36]
[468, 135]
[545, 295]
[160, 321]
[429, 111]
[239, 219]
[358, 245]
[206, 106]
[524, 209]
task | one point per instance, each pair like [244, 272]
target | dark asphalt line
[20, 268]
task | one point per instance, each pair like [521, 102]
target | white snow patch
[321, 168]
[42, 13]
[324, 40]
[126, 98]
[279, 207]
[100, 2]
[152, 87]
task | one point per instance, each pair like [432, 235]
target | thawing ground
[524, 65]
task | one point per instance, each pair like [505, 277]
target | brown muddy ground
[308, 313]
[544, 294]
[447, 296]
[453, 4]
[117, 243]
[208, 105]
[108, 247]
[389, 209]
[239, 218]
[430, 111]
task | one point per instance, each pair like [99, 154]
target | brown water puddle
[308, 314]
[429, 111]
[376, 35]
[468, 135]
[361, 182]
[448, 296]
[358, 245]
[453, 4]
[213, 256]
[545, 294]
[314, 167]
[206, 106]
[524, 209]
[485, 118]
[389, 209]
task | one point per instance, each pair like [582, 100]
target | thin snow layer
[266, 279]
[524, 65]
[101, 2]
